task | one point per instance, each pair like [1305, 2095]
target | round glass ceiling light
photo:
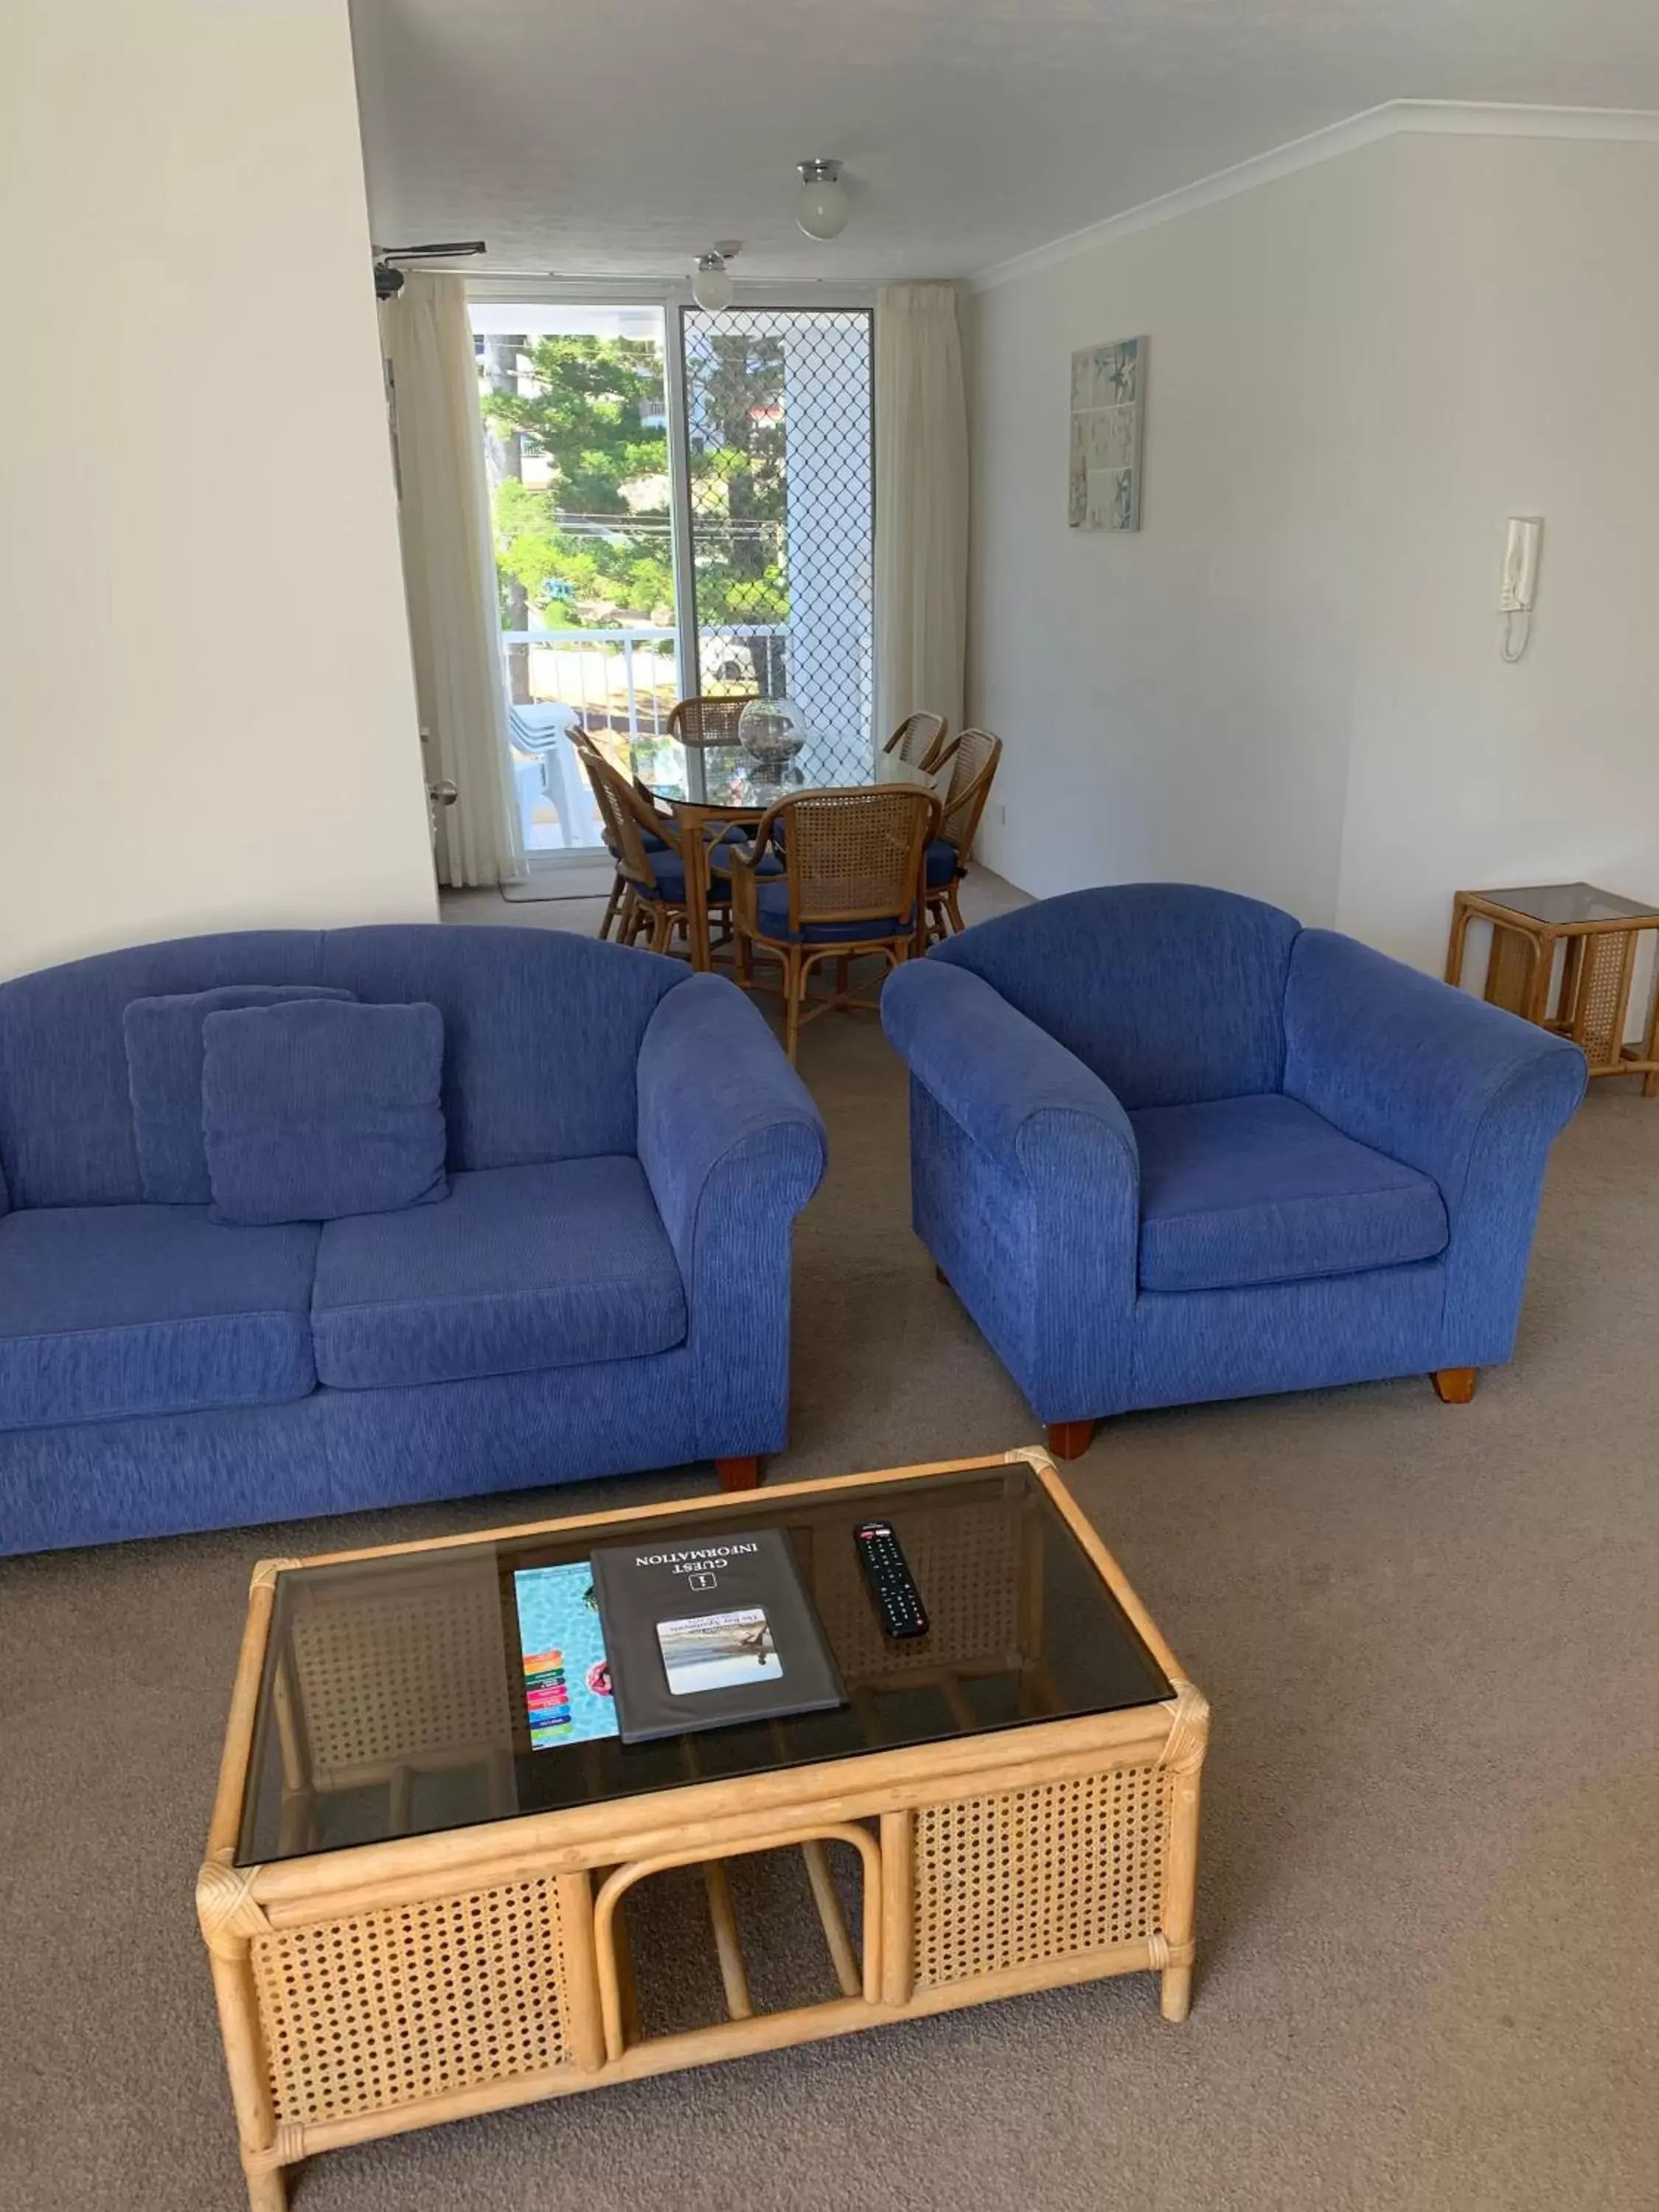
[711, 283]
[821, 204]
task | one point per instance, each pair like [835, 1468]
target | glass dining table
[721, 784]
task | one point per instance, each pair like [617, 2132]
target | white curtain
[449, 576]
[921, 506]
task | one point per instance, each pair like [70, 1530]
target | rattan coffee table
[412, 1916]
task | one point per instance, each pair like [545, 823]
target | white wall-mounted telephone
[1518, 587]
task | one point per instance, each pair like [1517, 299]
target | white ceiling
[620, 138]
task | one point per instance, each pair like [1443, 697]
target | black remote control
[891, 1583]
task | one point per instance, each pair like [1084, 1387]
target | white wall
[1175, 702]
[207, 714]
[1523, 378]
[1288, 682]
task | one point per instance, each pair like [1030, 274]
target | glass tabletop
[1562, 903]
[726, 775]
[394, 1699]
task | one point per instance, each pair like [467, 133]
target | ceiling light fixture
[711, 281]
[821, 204]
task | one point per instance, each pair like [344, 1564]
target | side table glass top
[393, 1700]
[1561, 905]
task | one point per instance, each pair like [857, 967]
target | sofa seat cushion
[548, 1266]
[1237, 1191]
[107, 1311]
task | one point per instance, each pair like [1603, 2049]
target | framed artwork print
[1108, 385]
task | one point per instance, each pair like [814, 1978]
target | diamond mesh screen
[779, 453]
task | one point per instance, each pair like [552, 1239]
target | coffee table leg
[268, 2192]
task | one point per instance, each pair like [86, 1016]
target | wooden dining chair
[655, 837]
[972, 758]
[919, 742]
[650, 859]
[831, 875]
[700, 722]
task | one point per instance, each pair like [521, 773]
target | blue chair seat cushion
[1242, 1191]
[944, 864]
[772, 914]
[554, 1265]
[670, 871]
[110, 1311]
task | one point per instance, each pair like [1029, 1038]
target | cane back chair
[650, 857]
[655, 836]
[831, 875]
[697, 723]
[972, 759]
[919, 742]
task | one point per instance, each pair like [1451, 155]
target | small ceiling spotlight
[711, 281]
[821, 204]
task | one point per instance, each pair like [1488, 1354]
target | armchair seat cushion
[110, 1311]
[553, 1265]
[1242, 1191]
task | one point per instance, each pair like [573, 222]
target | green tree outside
[594, 549]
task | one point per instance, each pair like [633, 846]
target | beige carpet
[1429, 1915]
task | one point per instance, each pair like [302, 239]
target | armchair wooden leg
[1454, 1386]
[1070, 1439]
[739, 1474]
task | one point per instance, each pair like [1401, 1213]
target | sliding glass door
[665, 522]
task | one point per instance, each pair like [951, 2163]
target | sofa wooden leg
[1070, 1439]
[939, 1275]
[1454, 1386]
[739, 1474]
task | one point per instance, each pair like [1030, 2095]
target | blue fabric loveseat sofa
[605, 1288]
[1167, 1145]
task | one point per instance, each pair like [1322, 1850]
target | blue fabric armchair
[606, 1286]
[1167, 1145]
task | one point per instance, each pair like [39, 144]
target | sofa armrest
[1025, 1182]
[732, 1147]
[1462, 1091]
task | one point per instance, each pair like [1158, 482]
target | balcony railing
[617, 685]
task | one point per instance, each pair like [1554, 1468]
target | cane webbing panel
[1509, 976]
[1038, 1873]
[1600, 988]
[392, 2006]
[393, 1671]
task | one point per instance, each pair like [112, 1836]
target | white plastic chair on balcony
[545, 766]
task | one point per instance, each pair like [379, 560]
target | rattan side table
[1013, 1798]
[1600, 932]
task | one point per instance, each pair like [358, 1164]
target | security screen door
[779, 483]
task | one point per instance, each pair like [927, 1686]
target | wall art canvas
[1109, 390]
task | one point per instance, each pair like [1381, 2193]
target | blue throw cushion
[109, 1311]
[163, 1038]
[1238, 1191]
[555, 1266]
[315, 1110]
